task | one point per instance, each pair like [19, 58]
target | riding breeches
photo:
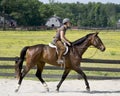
[61, 49]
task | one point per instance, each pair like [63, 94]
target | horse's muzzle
[102, 48]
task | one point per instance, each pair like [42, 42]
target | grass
[11, 43]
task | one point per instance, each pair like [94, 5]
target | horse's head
[96, 42]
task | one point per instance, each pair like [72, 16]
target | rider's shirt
[57, 36]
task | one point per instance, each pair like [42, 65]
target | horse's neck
[82, 48]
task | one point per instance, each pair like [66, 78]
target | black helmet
[66, 20]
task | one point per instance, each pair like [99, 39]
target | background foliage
[34, 12]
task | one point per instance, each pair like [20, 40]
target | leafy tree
[45, 12]
[35, 13]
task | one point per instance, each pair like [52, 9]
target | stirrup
[60, 61]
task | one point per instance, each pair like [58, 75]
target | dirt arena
[69, 88]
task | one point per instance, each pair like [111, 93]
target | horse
[38, 55]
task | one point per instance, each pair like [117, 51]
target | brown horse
[38, 55]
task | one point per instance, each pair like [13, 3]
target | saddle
[54, 46]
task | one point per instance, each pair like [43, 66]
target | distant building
[54, 22]
[118, 24]
[8, 22]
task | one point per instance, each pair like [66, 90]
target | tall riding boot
[60, 60]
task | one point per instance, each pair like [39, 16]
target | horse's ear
[96, 33]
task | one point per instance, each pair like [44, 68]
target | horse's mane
[81, 40]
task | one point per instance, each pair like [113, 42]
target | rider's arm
[63, 38]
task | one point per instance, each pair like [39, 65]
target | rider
[60, 39]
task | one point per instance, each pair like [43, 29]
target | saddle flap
[54, 46]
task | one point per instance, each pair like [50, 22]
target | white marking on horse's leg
[18, 87]
[46, 87]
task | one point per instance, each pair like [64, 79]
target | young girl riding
[60, 39]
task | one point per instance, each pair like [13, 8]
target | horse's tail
[19, 62]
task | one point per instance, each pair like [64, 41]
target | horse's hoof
[57, 90]
[47, 89]
[16, 90]
[88, 89]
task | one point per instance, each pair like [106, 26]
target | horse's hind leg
[79, 71]
[40, 67]
[23, 74]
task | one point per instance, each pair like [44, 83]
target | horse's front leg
[66, 72]
[79, 71]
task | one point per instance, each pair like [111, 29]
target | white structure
[1, 19]
[54, 21]
[8, 22]
[118, 24]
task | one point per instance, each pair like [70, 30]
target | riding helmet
[66, 20]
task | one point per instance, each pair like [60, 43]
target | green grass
[11, 43]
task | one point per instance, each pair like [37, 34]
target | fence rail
[83, 60]
[70, 76]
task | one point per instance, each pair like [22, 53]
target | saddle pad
[53, 46]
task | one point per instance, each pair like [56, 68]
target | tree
[25, 12]
[28, 13]
[3, 7]
[35, 13]
[45, 12]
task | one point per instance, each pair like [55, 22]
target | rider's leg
[61, 50]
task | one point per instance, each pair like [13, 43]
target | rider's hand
[70, 44]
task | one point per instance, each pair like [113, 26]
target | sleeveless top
[57, 36]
